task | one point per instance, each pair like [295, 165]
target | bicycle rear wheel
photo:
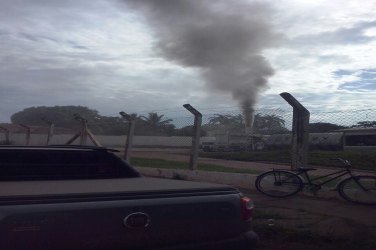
[278, 183]
[359, 189]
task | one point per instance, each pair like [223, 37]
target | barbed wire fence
[173, 127]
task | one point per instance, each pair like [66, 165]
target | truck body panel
[122, 210]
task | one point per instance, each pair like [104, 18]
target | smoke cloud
[223, 39]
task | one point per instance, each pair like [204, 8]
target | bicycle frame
[352, 187]
[336, 175]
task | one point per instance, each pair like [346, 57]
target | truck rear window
[62, 164]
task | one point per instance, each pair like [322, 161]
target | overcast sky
[101, 54]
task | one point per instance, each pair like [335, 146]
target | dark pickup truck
[72, 197]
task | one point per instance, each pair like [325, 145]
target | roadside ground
[183, 157]
[302, 222]
[299, 222]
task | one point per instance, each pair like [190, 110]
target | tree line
[157, 124]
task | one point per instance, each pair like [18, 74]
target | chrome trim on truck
[137, 220]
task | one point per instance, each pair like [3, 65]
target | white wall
[105, 140]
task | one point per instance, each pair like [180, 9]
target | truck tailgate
[143, 212]
[25, 190]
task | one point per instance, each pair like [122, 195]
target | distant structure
[359, 138]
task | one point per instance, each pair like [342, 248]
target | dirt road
[302, 222]
[335, 218]
[182, 156]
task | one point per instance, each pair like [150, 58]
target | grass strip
[365, 159]
[166, 164]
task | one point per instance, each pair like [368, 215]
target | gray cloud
[366, 82]
[35, 37]
[361, 85]
[369, 74]
[97, 54]
[65, 86]
[36, 67]
[345, 36]
[342, 72]
[43, 86]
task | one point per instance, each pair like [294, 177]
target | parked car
[78, 197]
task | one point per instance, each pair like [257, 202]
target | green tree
[188, 131]
[110, 125]
[136, 117]
[63, 116]
[227, 122]
[323, 127]
[269, 124]
[157, 125]
[365, 124]
[263, 124]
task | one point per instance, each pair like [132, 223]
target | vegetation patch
[359, 159]
[274, 237]
[166, 164]
[280, 157]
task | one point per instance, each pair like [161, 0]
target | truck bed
[92, 213]
[29, 191]
[61, 197]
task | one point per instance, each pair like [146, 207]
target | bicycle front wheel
[278, 183]
[359, 189]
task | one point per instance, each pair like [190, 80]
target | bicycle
[360, 189]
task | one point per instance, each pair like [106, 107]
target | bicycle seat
[306, 169]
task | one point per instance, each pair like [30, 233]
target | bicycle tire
[278, 183]
[351, 189]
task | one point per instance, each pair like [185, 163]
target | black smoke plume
[223, 39]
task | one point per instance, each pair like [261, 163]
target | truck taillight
[246, 207]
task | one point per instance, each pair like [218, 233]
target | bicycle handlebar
[343, 161]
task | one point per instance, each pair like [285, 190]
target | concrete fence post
[300, 133]
[28, 132]
[83, 133]
[84, 128]
[196, 136]
[7, 135]
[50, 132]
[129, 141]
